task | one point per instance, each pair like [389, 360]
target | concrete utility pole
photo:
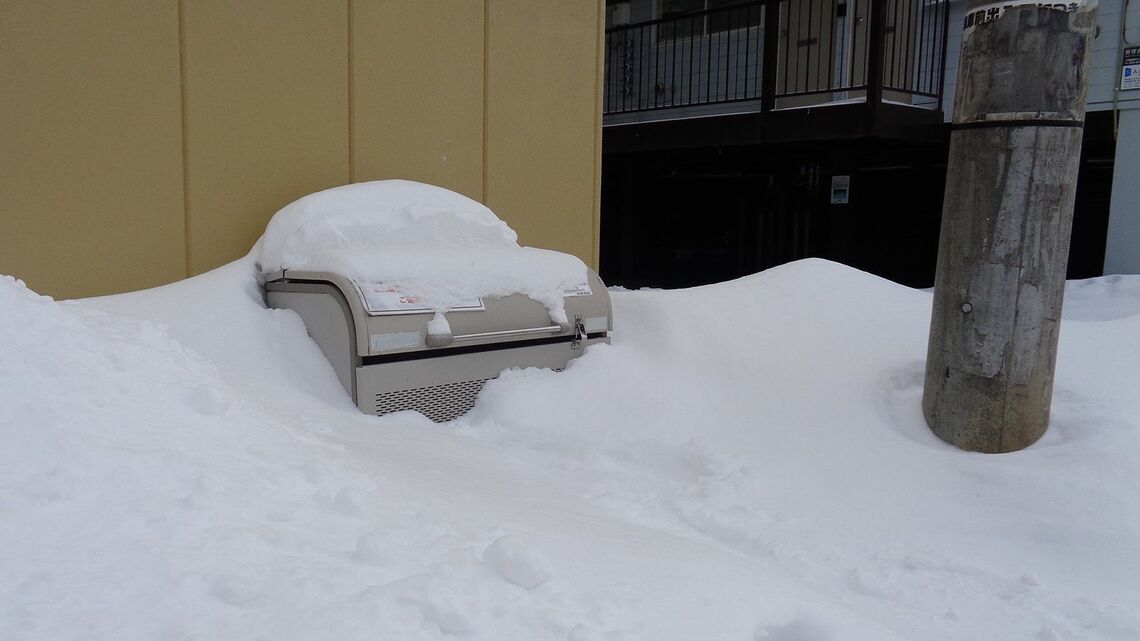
[1006, 222]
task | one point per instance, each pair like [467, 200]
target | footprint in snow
[208, 400]
[374, 548]
[801, 628]
[516, 563]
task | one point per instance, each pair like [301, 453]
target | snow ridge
[746, 461]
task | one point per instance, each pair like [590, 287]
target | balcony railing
[820, 52]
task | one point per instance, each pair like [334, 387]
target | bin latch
[579, 333]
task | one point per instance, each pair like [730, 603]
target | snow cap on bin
[398, 213]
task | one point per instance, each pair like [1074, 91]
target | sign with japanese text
[993, 11]
[1130, 71]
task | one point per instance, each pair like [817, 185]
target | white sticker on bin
[388, 299]
[581, 289]
[596, 324]
[394, 340]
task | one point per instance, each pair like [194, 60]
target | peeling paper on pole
[994, 10]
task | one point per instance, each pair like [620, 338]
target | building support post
[768, 68]
[876, 44]
[1006, 221]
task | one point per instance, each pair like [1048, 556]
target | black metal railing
[693, 59]
[914, 46]
[826, 50]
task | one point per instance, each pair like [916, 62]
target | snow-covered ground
[747, 461]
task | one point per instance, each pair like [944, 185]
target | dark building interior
[685, 217]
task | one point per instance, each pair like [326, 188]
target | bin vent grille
[438, 402]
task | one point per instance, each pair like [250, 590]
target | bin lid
[410, 247]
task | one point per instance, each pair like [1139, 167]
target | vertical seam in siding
[349, 97]
[599, 86]
[486, 92]
[186, 226]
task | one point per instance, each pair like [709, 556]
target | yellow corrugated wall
[145, 141]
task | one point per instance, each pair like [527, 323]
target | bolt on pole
[1007, 217]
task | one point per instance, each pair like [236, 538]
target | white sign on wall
[840, 190]
[1130, 72]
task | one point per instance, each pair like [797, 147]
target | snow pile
[746, 461]
[145, 495]
[779, 416]
[426, 242]
[378, 213]
[1106, 298]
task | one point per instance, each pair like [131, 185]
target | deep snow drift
[746, 461]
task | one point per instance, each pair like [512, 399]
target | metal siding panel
[417, 92]
[542, 120]
[91, 160]
[267, 115]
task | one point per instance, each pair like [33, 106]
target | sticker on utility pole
[994, 10]
[1130, 73]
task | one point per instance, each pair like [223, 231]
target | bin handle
[443, 340]
[549, 329]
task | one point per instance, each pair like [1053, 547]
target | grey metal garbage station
[388, 361]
